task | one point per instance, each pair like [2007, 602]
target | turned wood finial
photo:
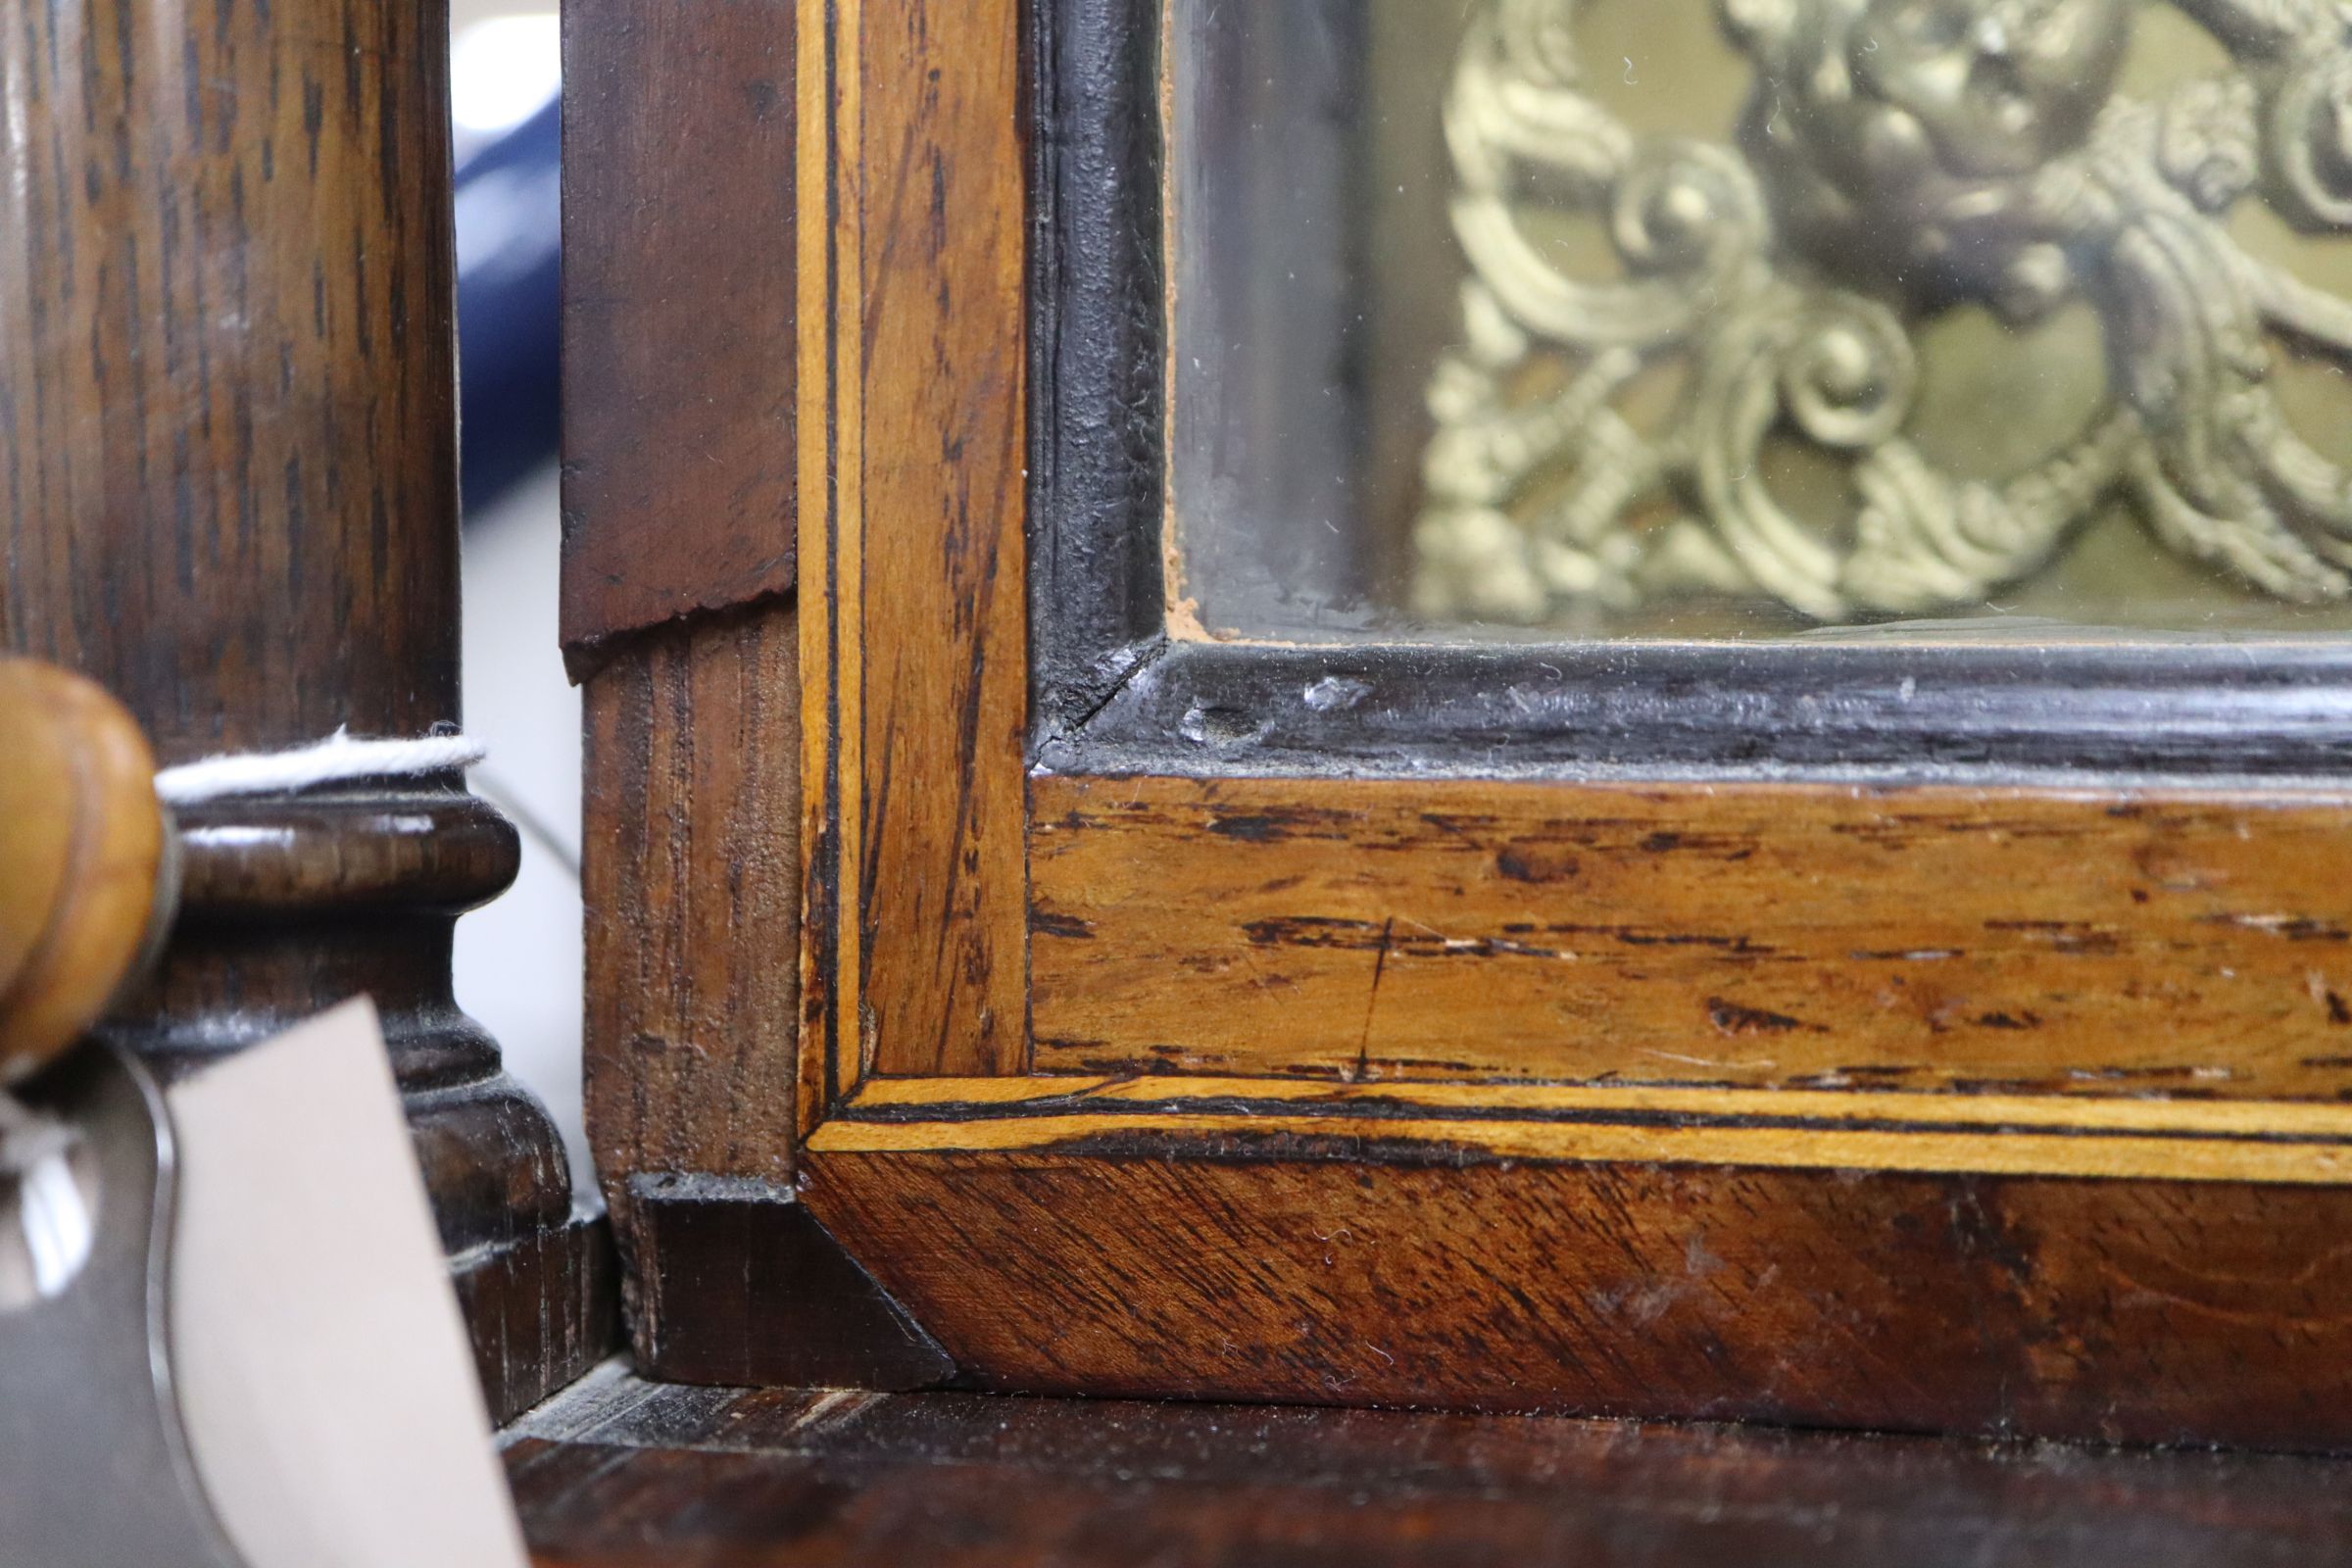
[83, 848]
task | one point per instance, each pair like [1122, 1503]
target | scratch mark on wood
[1380, 966]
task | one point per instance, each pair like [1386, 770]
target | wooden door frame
[972, 1137]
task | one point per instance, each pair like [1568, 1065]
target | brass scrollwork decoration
[1896, 157]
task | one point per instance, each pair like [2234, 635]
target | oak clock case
[1631, 856]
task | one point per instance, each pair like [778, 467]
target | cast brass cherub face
[1900, 137]
[1987, 88]
[1895, 158]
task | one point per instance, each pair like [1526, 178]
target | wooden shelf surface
[619, 1473]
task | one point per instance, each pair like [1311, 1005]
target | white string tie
[332, 760]
[54, 1217]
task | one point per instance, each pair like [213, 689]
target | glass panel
[1748, 318]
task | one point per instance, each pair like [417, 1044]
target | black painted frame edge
[1098, 354]
[1111, 693]
[2085, 716]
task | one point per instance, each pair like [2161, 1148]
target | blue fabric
[509, 218]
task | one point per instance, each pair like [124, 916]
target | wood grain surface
[927, 569]
[1980, 940]
[680, 194]
[228, 397]
[751, 1291]
[544, 1311]
[1235, 1268]
[622, 1474]
[692, 876]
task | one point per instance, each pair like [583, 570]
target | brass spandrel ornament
[1895, 159]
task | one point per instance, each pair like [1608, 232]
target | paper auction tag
[324, 1375]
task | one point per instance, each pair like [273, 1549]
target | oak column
[228, 433]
